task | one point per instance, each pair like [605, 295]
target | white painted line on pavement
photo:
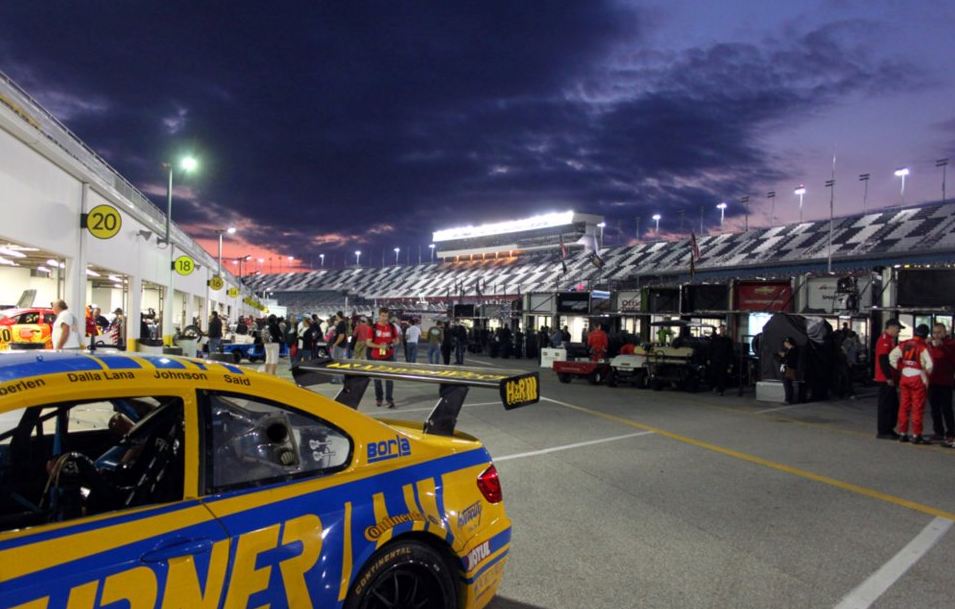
[389, 411]
[554, 449]
[778, 408]
[875, 586]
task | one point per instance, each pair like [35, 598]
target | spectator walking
[460, 343]
[117, 329]
[914, 363]
[942, 350]
[272, 338]
[721, 359]
[789, 367]
[412, 336]
[66, 328]
[215, 333]
[435, 338]
[362, 333]
[381, 347]
[886, 377]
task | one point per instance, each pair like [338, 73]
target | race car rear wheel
[404, 574]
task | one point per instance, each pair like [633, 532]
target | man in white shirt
[412, 336]
[66, 330]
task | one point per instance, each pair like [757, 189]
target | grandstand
[535, 234]
[917, 235]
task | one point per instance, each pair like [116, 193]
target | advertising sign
[629, 301]
[768, 296]
[573, 303]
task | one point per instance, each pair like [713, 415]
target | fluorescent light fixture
[6, 251]
[114, 278]
[92, 273]
[512, 226]
[44, 269]
[118, 285]
[7, 261]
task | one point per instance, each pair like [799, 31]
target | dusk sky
[329, 127]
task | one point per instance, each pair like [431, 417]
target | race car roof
[15, 365]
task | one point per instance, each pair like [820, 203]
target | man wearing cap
[914, 364]
[942, 350]
[885, 376]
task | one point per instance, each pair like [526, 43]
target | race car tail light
[490, 485]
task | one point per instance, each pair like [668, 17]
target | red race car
[31, 325]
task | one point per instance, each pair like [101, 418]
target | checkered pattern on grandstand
[885, 235]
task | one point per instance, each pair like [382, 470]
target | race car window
[251, 442]
[68, 460]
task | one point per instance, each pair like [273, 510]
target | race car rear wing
[517, 387]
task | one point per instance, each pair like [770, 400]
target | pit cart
[594, 372]
[681, 365]
[629, 368]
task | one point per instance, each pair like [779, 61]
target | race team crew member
[381, 347]
[598, 343]
[942, 350]
[885, 376]
[914, 364]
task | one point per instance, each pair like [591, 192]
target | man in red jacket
[942, 350]
[381, 347]
[914, 364]
[885, 377]
[598, 343]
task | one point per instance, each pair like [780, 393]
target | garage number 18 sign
[103, 221]
[184, 265]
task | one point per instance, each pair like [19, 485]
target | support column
[75, 271]
[134, 312]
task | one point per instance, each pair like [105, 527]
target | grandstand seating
[864, 240]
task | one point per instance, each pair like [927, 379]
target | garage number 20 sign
[104, 221]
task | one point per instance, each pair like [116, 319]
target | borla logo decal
[388, 449]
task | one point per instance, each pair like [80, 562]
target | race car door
[268, 477]
[93, 508]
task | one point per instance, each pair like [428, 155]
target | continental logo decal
[520, 391]
[451, 373]
[375, 531]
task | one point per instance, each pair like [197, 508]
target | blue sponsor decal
[388, 449]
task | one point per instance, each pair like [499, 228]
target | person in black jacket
[721, 359]
[789, 358]
[447, 342]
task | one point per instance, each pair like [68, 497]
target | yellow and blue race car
[162, 482]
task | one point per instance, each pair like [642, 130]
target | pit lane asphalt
[706, 501]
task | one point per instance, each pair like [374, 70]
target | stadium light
[942, 164]
[512, 226]
[231, 230]
[800, 192]
[902, 172]
[722, 208]
[322, 258]
[187, 164]
[864, 178]
[602, 226]
[656, 218]
[431, 245]
[357, 257]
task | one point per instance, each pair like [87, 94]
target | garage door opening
[107, 297]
